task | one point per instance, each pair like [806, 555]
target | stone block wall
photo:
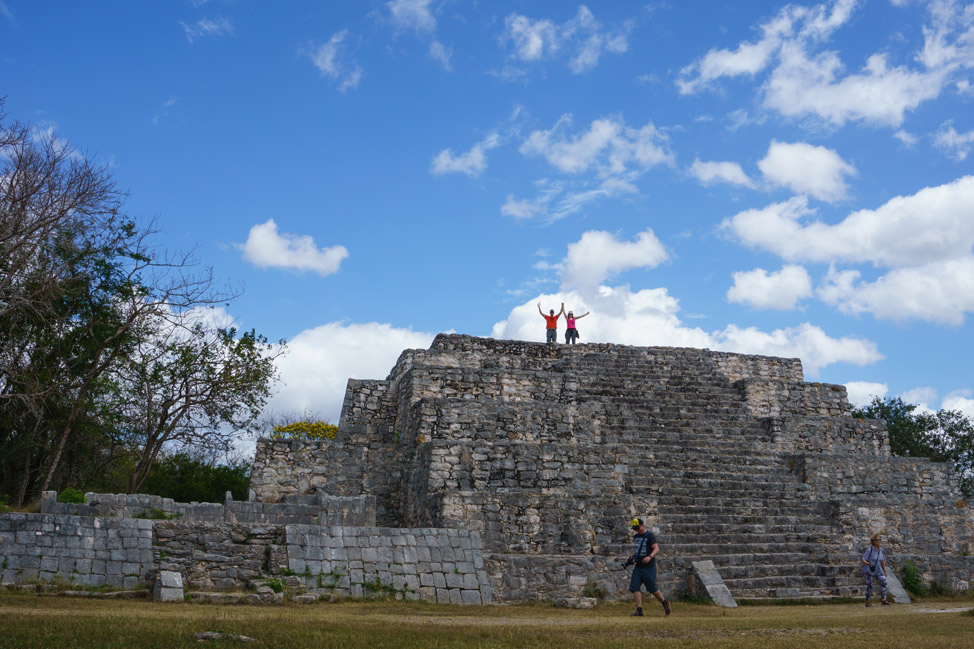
[772, 398]
[304, 509]
[817, 434]
[547, 450]
[529, 522]
[759, 368]
[219, 556]
[75, 549]
[436, 565]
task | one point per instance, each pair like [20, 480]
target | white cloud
[921, 397]
[960, 400]
[957, 145]
[319, 362]
[807, 80]
[763, 290]
[609, 145]
[650, 317]
[597, 255]
[471, 163]
[906, 138]
[932, 225]
[941, 291]
[521, 208]
[218, 26]
[807, 169]
[332, 61]
[926, 239]
[532, 38]
[878, 94]
[806, 341]
[602, 162]
[412, 14]
[861, 393]
[792, 24]
[582, 36]
[727, 172]
[441, 54]
[265, 248]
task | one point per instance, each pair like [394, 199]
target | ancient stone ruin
[486, 470]
[547, 451]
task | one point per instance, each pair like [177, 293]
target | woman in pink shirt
[571, 334]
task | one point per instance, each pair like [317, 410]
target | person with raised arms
[551, 322]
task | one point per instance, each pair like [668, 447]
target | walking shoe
[637, 613]
[666, 606]
[886, 602]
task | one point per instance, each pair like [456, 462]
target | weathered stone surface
[895, 588]
[484, 470]
[708, 579]
[168, 587]
[546, 451]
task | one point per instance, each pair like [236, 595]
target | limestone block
[708, 577]
[895, 588]
[168, 587]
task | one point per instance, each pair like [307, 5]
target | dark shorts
[643, 577]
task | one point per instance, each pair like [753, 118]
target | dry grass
[31, 621]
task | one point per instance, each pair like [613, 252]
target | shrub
[912, 579]
[310, 430]
[595, 590]
[275, 585]
[186, 480]
[939, 590]
[72, 496]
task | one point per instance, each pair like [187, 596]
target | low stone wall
[220, 556]
[899, 478]
[815, 434]
[749, 366]
[436, 565]
[76, 549]
[772, 398]
[300, 509]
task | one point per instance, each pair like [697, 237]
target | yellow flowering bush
[311, 430]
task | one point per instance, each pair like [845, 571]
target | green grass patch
[34, 622]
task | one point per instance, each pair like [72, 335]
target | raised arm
[539, 310]
[579, 317]
[562, 309]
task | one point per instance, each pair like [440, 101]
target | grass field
[29, 621]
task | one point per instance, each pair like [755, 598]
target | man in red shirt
[551, 322]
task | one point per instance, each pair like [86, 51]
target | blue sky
[784, 179]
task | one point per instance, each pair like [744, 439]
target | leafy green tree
[84, 296]
[187, 479]
[192, 383]
[944, 436]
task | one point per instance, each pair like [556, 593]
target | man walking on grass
[645, 551]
